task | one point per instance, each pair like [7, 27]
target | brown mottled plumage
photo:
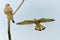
[9, 12]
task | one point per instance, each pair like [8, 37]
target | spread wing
[45, 20]
[25, 22]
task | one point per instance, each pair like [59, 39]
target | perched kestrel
[9, 12]
[37, 22]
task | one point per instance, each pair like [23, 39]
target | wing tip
[53, 20]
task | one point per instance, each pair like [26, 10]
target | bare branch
[18, 7]
[9, 34]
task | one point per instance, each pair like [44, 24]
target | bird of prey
[9, 12]
[37, 22]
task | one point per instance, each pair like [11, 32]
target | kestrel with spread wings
[9, 12]
[37, 22]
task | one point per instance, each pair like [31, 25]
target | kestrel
[9, 12]
[37, 22]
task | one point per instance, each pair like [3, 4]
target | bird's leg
[9, 34]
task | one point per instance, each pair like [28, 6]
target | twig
[18, 7]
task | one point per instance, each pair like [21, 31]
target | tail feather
[13, 21]
[39, 27]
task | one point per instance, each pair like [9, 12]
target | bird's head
[7, 4]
